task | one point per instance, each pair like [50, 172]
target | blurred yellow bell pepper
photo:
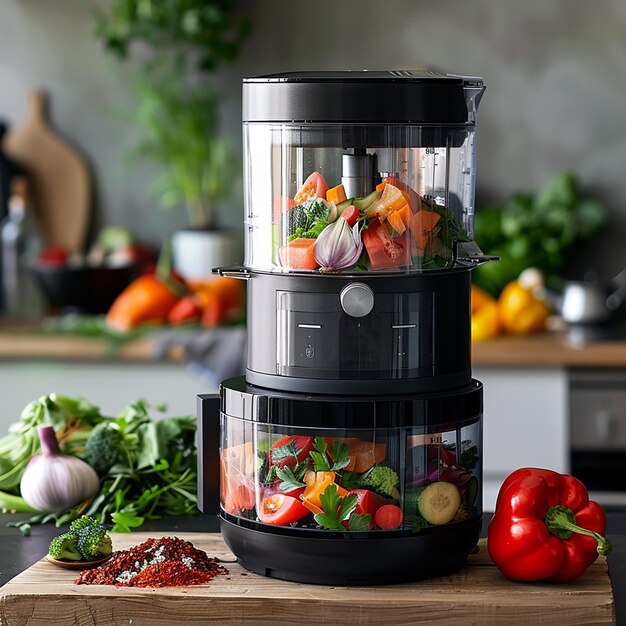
[485, 317]
[520, 311]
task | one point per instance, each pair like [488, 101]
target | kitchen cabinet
[525, 422]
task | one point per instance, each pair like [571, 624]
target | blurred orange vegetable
[485, 317]
[146, 300]
[185, 310]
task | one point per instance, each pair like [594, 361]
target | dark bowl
[89, 290]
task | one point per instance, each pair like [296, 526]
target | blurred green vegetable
[540, 230]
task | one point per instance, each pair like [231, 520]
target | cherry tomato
[350, 214]
[280, 510]
[383, 250]
[389, 517]
[304, 445]
[368, 503]
[314, 187]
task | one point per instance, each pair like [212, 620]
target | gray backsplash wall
[555, 71]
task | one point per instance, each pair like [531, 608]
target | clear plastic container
[411, 186]
[328, 479]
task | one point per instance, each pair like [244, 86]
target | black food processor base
[341, 562]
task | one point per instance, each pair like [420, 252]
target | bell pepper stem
[561, 522]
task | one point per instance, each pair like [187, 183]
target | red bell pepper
[545, 527]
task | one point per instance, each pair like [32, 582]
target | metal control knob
[357, 299]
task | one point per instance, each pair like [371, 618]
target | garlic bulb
[53, 481]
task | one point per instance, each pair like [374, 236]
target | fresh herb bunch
[539, 230]
[182, 42]
[151, 463]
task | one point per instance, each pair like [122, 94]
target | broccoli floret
[103, 447]
[93, 542]
[65, 546]
[383, 480]
[83, 522]
[304, 217]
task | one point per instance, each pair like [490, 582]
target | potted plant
[183, 43]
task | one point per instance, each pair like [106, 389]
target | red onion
[338, 246]
[55, 482]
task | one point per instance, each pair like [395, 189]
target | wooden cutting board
[478, 594]
[60, 181]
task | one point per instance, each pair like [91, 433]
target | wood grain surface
[477, 594]
[61, 184]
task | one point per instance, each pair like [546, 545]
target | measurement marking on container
[404, 326]
[309, 325]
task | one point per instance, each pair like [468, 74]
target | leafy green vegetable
[285, 451]
[338, 453]
[289, 481]
[337, 510]
[540, 230]
[154, 468]
[319, 455]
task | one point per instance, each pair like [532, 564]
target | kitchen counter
[548, 350]
[25, 343]
[17, 553]
[540, 350]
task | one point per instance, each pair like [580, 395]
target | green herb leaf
[348, 505]
[320, 461]
[339, 454]
[301, 469]
[125, 521]
[331, 502]
[285, 451]
[319, 456]
[270, 477]
[289, 481]
[359, 522]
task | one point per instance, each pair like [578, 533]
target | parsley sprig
[338, 452]
[337, 510]
[290, 480]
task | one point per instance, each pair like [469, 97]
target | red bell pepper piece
[545, 527]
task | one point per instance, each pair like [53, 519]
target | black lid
[377, 97]
[241, 400]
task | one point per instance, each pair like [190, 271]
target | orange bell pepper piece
[316, 483]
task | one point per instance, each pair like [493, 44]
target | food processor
[351, 451]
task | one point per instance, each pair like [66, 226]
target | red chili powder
[166, 562]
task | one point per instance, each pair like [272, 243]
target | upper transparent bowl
[359, 171]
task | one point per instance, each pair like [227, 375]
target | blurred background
[553, 118]
[555, 75]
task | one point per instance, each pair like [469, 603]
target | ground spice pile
[165, 562]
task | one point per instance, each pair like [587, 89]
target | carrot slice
[422, 224]
[298, 254]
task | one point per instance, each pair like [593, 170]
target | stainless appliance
[351, 451]
[597, 400]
